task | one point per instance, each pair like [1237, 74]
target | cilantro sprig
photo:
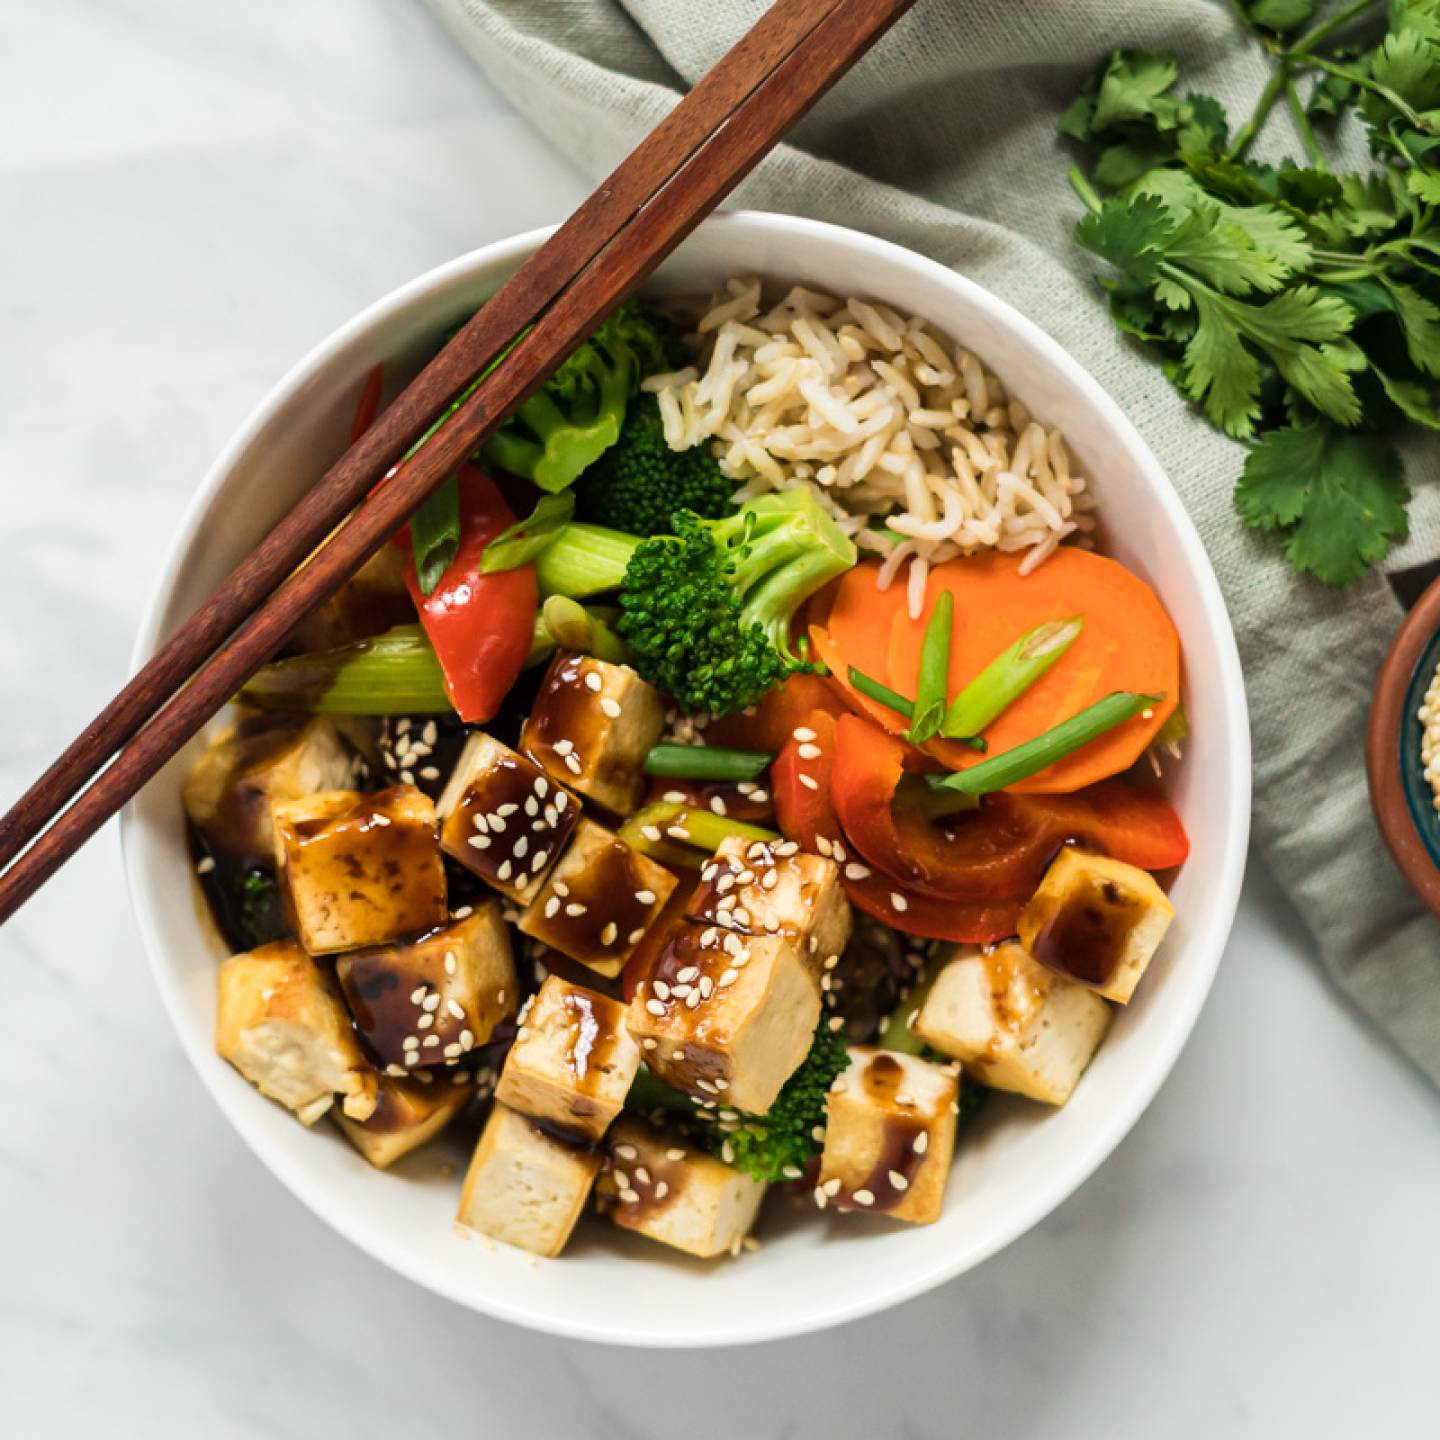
[1298, 307]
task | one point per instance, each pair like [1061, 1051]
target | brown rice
[912, 445]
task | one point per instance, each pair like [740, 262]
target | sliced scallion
[526, 538]
[1011, 766]
[874, 690]
[652, 831]
[1009, 676]
[705, 762]
[933, 673]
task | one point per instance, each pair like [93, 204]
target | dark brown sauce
[552, 1130]
[735, 805]
[511, 782]
[605, 895]
[881, 1080]
[401, 1105]
[658, 1189]
[567, 709]
[243, 897]
[1085, 938]
[688, 1028]
[748, 908]
[595, 1024]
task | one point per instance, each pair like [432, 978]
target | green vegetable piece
[703, 830]
[893, 699]
[705, 762]
[526, 538]
[933, 672]
[435, 533]
[1017, 764]
[586, 628]
[396, 673]
[1009, 675]
[576, 416]
[584, 560]
[640, 482]
[897, 1034]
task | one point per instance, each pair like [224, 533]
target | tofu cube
[760, 889]
[597, 903]
[503, 818]
[1012, 1023]
[407, 1114]
[662, 1188]
[280, 1022]
[371, 601]
[889, 1135]
[572, 1061]
[263, 759]
[730, 1016]
[524, 1186]
[1097, 921]
[359, 869]
[591, 727]
[432, 1000]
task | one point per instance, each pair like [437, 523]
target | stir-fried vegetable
[1007, 677]
[396, 673]
[930, 681]
[696, 834]
[705, 762]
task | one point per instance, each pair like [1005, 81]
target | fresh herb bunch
[1298, 306]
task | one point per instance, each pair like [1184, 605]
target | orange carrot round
[1128, 643]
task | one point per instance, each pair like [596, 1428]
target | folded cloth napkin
[943, 139]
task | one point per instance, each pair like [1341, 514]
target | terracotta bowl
[1403, 801]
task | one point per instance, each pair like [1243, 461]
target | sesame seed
[921, 1143]
[707, 986]
[561, 889]
[497, 823]
[649, 1043]
[724, 883]
[552, 907]
[899, 901]
[787, 848]
[507, 809]
[677, 832]
[857, 872]
[745, 877]
[655, 1007]
[431, 1041]
[430, 772]
[791, 1172]
[458, 1010]
[451, 1051]
[431, 1002]
[480, 842]
[808, 782]
[552, 816]
[562, 799]
[574, 909]
[425, 1021]
[408, 777]
[635, 936]
[630, 1197]
[542, 786]
[430, 733]
[626, 1152]
[609, 934]
[832, 1186]
[898, 1180]
[863, 1197]
[809, 752]
[803, 733]
[650, 832]
[538, 859]
[505, 870]
[522, 847]
[417, 994]
[593, 681]
[563, 747]
[479, 821]
[467, 1039]
[411, 1042]
[396, 1070]
[450, 962]
[610, 706]
[645, 897]
[707, 871]
[381, 820]
[708, 937]
[836, 1022]
[662, 1189]
[206, 865]
[770, 879]
[532, 805]
[674, 1153]
[677, 1056]
[680, 990]
[728, 977]
[727, 1153]
[692, 1000]
[572, 765]
[820, 1200]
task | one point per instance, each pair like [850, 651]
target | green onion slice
[933, 672]
[1008, 676]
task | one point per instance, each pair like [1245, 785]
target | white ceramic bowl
[812, 1270]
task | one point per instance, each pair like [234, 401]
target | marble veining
[193, 195]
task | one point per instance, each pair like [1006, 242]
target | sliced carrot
[770, 723]
[856, 631]
[1128, 643]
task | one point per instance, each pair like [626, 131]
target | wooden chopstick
[594, 225]
[585, 282]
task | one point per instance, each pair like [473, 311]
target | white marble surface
[191, 195]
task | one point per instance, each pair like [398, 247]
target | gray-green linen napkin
[943, 139]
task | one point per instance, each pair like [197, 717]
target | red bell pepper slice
[806, 814]
[768, 726]
[1004, 847]
[480, 625]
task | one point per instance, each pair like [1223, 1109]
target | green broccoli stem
[396, 673]
[773, 603]
[585, 560]
[898, 1034]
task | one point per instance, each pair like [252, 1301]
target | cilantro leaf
[1420, 320]
[1133, 88]
[1130, 235]
[1410, 397]
[1336, 499]
[1282, 15]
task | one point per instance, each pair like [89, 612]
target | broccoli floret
[773, 1146]
[577, 414]
[640, 482]
[707, 611]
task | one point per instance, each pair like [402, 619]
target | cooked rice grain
[906, 439]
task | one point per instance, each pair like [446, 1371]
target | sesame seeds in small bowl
[1402, 750]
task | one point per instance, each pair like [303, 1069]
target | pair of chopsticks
[676, 176]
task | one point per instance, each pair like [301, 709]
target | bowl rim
[1384, 752]
[1170, 1026]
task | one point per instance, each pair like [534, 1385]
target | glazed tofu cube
[889, 1135]
[503, 818]
[597, 903]
[572, 1061]
[280, 1022]
[1012, 1023]
[432, 1000]
[682, 1197]
[1096, 921]
[359, 869]
[760, 889]
[591, 727]
[726, 1016]
[524, 1186]
[407, 1114]
[263, 759]
[371, 601]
